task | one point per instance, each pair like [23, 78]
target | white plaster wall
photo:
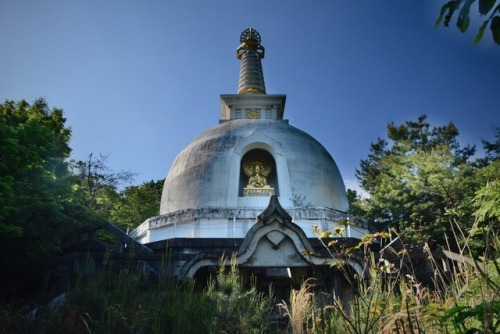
[237, 228]
[206, 172]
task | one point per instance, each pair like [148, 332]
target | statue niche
[257, 172]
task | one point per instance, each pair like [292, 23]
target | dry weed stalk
[300, 310]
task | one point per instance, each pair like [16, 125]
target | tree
[37, 201]
[487, 197]
[44, 197]
[125, 208]
[421, 183]
[136, 204]
[489, 8]
[355, 203]
[99, 181]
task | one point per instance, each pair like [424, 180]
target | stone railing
[318, 213]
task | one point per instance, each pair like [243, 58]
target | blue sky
[139, 79]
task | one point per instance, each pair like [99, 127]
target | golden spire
[250, 52]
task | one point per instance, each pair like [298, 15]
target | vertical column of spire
[250, 52]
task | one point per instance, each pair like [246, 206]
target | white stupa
[218, 188]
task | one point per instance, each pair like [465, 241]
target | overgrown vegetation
[110, 301]
[423, 186]
[464, 296]
[390, 302]
[106, 300]
[238, 310]
[45, 196]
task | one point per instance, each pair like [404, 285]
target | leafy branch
[488, 8]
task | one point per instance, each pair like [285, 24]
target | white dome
[207, 173]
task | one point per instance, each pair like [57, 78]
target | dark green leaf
[444, 8]
[454, 312]
[11, 230]
[463, 20]
[481, 32]
[495, 29]
[485, 6]
[463, 23]
[454, 5]
[448, 9]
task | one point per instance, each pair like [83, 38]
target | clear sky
[139, 79]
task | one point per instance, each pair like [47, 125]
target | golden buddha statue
[257, 172]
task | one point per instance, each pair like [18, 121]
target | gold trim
[258, 192]
[252, 90]
[253, 114]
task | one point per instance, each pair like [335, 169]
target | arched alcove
[267, 159]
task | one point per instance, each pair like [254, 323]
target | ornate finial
[250, 52]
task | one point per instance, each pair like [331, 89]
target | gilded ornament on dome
[253, 114]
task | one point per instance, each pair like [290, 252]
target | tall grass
[238, 310]
[300, 310]
[108, 300]
[392, 300]
[111, 300]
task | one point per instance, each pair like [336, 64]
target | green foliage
[459, 316]
[377, 307]
[99, 182]
[237, 310]
[137, 203]
[356, 207]
[107, 300]
[38, 204]
[392, 300]
[33, 147]
[421, 182]
[488, 8]
[127, 208]
[102, 197]
[473, 303]
[44, 196]
[488, 196]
